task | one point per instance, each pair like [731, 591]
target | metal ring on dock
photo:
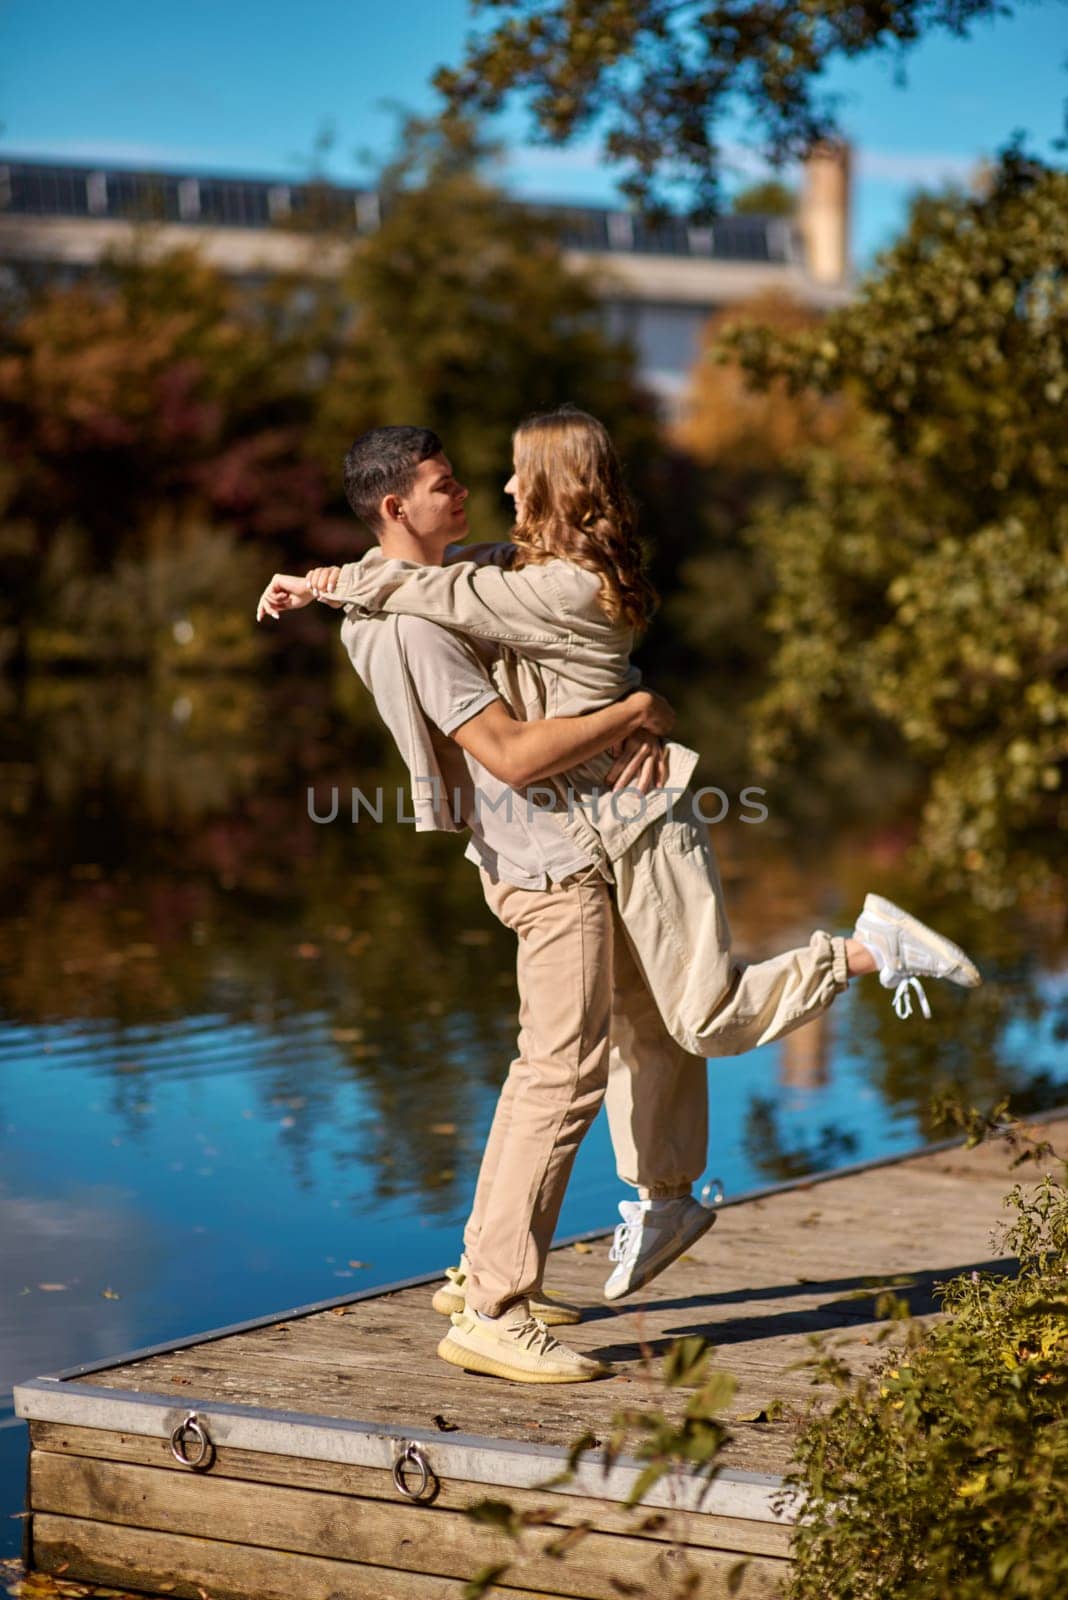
[413, 1455]
[193, 1425]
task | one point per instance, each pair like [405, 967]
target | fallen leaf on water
[51, 1288]
[359, 1263]
[583, 1249]
[443, 1127]
[346, 1035]
[110, 1294]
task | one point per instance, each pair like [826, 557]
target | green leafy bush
[942, 1475]
[920, 576]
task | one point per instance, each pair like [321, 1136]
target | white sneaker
[652, 1235]
[907, 950]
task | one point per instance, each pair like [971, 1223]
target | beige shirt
[413, 668]
[559, 655]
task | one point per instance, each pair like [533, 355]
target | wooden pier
[305, 1416]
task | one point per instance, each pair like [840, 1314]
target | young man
[587, 1019]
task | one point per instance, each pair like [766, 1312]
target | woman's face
[512, 488]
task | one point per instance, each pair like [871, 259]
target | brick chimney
[825, 212]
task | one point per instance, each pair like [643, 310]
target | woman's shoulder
[569, 576]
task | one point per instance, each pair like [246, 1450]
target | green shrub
[943, 1474]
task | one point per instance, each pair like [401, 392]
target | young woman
[564, 615]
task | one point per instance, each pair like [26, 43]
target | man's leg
[670, 900]
[556, 1083]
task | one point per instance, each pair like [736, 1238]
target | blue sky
[246, 87]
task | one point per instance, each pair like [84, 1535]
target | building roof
[49, 189]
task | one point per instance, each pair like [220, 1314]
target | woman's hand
[641, 763]
[321, 581]
[283, 593]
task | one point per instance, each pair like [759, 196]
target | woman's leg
[670, 900]
[657, 1099]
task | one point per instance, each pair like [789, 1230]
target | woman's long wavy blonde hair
[575, 507]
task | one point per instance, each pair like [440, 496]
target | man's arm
[522, 753]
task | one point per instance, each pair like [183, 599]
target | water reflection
[242, 1055]
[164, 868]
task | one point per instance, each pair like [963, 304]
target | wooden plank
[188, 1568]
[250, 1466]
[485, 1460]
[421, 1539]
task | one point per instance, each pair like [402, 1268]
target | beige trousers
[629, 998]
[670, 902]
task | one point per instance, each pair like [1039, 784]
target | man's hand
[322, 581]
[656, 715]
[641, 763]
[283, 593]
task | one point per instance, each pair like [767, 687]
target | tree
[155, 383]
[767, 199]
[922, 574]
[467, 318]
[662, 75]
[151, 414]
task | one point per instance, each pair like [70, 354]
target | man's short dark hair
[385, 461]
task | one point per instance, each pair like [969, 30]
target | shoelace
[903, 998]
[535, 1335]
[622, 1240]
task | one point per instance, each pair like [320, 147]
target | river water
[247, 1060]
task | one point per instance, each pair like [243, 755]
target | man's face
[434, 505]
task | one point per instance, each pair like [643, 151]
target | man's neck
[398, 544]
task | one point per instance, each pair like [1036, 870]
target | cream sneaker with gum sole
[546, 1306]
[516, 1346]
